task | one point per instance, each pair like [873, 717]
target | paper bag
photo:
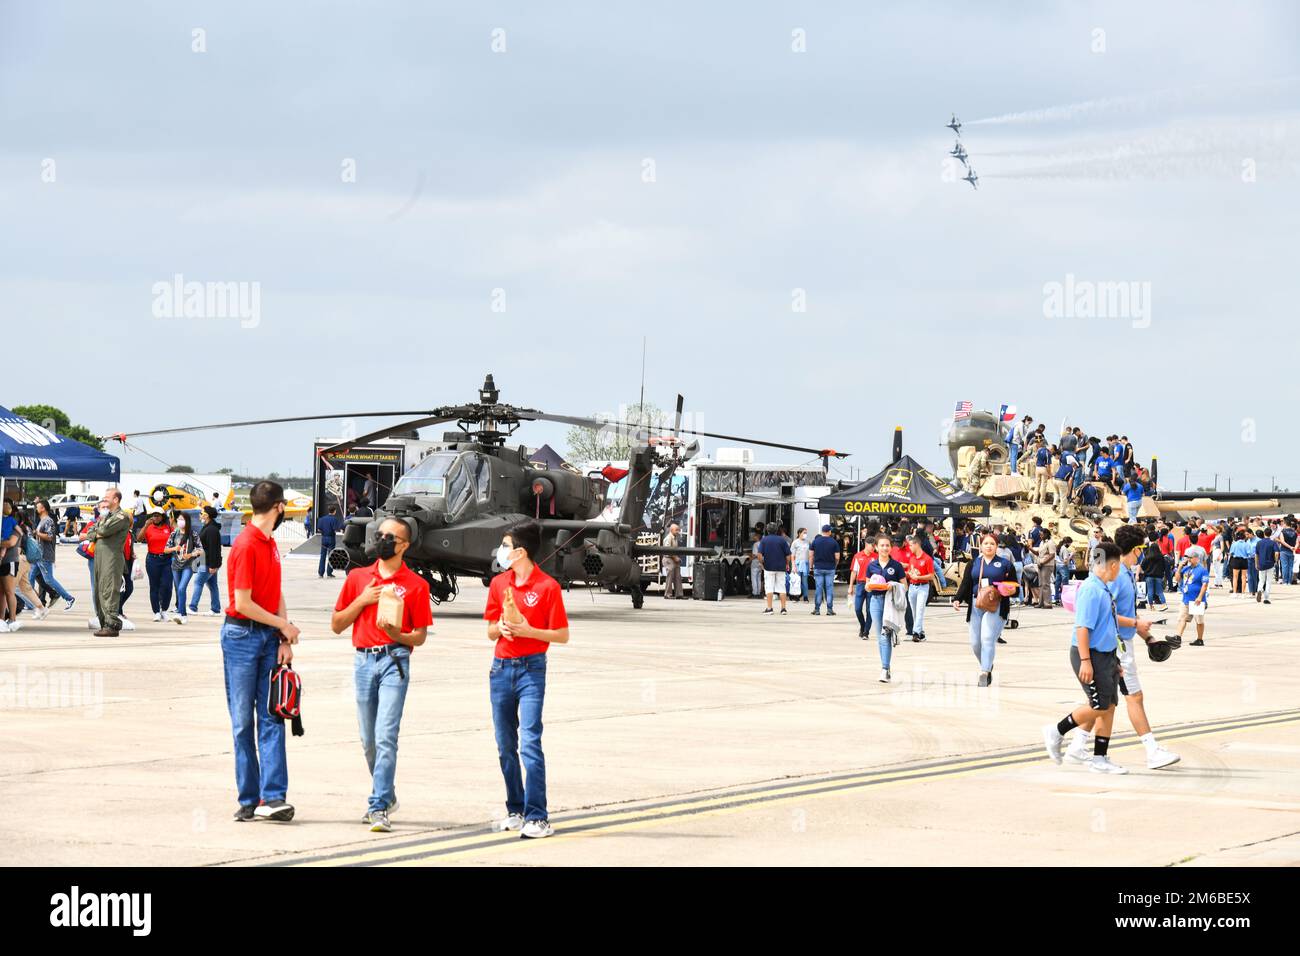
[509, 610]
[390, 607]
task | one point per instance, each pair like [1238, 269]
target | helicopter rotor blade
[677, 419]
[263, 421]
[593, 423]
[634, 429]
[385, 432]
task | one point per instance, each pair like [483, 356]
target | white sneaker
[159, 616]
[16, 626]
[92, 623]
[67, 605]
[41, 613]
[365, 817]
[884, 676]
[218, 614]
[1105, 765]
[514, 821]
[1160, 757]
[1079, 751]
[126, 625]
[536, 829]
[4, 627]
[178, 618]
[1052, 740]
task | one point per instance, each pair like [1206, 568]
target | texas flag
[1008, 413]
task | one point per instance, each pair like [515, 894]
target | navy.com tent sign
[30, 451]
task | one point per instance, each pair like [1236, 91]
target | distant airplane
[960, 153]
[971, 178]
[955, 124]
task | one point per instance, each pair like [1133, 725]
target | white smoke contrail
[1213, 150]
[1138, 103]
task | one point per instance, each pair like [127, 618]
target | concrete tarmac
[687, 733]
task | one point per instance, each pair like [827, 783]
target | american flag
[962, 410]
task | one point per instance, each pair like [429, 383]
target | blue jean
[1155, 590]
[381, 681]
[1132, 508]
[181, 585]
[825, 581]
[884, 641]
[1062, 578]
[1252, 575]
[46, 570]
[1015, 456]
[1286, 565]
[859, 599]
[917, 595]
[159, 569]
[324, 567]
[518, 688]
[209, 579]
[248, 653]
[985, 629]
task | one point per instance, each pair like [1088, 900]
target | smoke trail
[1178, 152]
[1140, 103]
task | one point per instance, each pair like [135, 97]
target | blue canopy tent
[28, 451]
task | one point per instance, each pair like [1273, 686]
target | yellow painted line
[433, 850]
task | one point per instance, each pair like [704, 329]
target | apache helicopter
[457, 502]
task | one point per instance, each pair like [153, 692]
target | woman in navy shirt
[986, 626]
[895, 576]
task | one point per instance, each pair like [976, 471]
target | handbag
[987, 598]
[284, 701]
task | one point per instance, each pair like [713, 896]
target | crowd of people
[176, 557]
[1075, 471]
[896, 568]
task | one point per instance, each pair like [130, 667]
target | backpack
[32, 549]
[285, 699]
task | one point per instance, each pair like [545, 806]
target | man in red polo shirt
[518, 677]
[256, 637]
[382, 665]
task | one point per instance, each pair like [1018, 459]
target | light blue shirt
[1094, 608]
[1124, 590]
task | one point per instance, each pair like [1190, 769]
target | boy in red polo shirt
[518, 676]
[255, 640]
[382, 665]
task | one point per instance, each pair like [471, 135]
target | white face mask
[103, 510]
[502, 556]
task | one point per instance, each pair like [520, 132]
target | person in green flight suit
[109, 534]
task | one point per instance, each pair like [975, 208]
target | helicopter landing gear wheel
[638, 596]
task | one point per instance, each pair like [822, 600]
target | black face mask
[279, 520]
[387, 549]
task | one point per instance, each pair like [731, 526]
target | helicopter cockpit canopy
[429, 477]
[457, 477]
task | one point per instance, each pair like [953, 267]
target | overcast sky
[1164, 150]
